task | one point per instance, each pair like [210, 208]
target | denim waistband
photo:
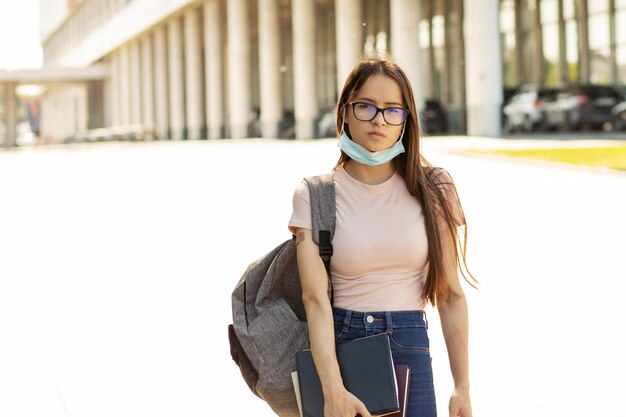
[385, 320]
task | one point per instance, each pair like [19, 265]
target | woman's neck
[367, 174]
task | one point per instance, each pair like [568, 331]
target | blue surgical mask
[363, 156]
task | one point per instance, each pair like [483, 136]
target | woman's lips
[377, 134]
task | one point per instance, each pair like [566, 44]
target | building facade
[195, 69]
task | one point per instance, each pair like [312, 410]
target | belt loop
[388, 323]
[346, 321]
[425, 319]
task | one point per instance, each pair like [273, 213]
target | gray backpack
[269, 321]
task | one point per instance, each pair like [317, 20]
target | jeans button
[370, 319]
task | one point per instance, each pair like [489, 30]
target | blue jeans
[408, 335]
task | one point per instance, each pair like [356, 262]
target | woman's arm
[337, 401]
[454, 323]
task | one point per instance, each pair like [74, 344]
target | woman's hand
[344, 404]
[460, 405]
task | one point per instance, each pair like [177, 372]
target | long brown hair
[432, 187]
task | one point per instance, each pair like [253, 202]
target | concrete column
[405, 15]
[539, 73]
[95, 104]
[447, 51]
[269, 68]
[176, 79]
[135, 83]
[483, 68]
[382, 27]
[349, 32]
[124, 85]
[613, 43]
[305, 102]
[432, 67]
[147, 83]
[584, 59]
[238, 68]
[370, 18]
[326, 55]
[115, 88]
[213, 50]
[563, 73]
[107, 106]
[194, 84]
[522, 74]
[10, 115]
[161, 102]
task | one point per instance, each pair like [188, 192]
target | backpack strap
[322, 193]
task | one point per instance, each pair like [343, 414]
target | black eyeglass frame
[379, 110]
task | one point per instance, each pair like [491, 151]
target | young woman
[395, 246]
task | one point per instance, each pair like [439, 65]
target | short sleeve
[301, 215]
[444, 181]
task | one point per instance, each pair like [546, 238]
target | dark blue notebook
[367, 371]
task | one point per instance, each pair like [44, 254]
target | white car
[525, 109]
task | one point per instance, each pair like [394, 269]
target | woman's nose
[379, 119]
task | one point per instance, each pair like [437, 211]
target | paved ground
[117, 262]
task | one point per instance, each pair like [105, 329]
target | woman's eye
[394, 110]
[363, 106]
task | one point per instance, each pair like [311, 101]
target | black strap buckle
[326, 248]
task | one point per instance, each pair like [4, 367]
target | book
[403, 376]
[367, 371]
[296, 389]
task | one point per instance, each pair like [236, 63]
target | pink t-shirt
[380, 247]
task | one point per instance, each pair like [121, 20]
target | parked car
[619, 112]
[507, 94]
[525, 109]
[434, 117]
[583, 107]
[327, 124]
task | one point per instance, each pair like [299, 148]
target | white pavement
[117, 262]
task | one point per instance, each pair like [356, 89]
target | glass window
[509, 40]
[440, 63]
[571, 49]
[507, 28]
[597, 6]
[507, 16]
[551, 52]
[549, 11]
[424, 34]
[568, 9]
[598, 31]
[600, 66]
[438, 31]
[620, 22]
[621, 63]
[550, 35]
[2, 116]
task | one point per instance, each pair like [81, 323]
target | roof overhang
[48, 75]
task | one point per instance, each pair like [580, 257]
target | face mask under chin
[364, 156]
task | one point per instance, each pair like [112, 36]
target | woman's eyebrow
[393, 103]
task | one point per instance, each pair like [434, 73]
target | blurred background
[101, 70]
[126, 220]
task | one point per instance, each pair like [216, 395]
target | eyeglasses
[365, 112]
